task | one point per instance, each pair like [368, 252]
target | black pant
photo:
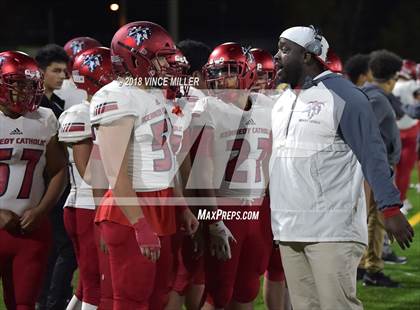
[57, 289]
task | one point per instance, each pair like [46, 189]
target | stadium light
[114, 7]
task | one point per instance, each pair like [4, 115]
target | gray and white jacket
[326, 140]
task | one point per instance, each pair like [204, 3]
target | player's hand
[30, 219]
[399, 228]
[220, 236]
[198, 243]
[189, 223]
[9, 221]
[147, 240]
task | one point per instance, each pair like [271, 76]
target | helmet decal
[76, 46]
[217, 61]
[140, 34]
[32, 74]
[92, 61]
[248, 54]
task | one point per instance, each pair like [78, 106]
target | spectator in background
[356, 69]
[57, 289]
[384, 66]
[197, 53]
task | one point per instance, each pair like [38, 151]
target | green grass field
[405, 298]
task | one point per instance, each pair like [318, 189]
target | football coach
[326, 141]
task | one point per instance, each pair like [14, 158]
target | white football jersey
[70, 94]
[75, 127]
[158, 131]
[194, 94]
[404, 91]
[23, 143]
[242, 144]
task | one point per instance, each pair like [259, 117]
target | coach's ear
[308, 58]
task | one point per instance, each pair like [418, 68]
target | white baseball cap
[302, 36]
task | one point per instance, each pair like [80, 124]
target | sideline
[415, 219]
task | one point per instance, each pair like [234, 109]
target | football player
[71, 94]
[404, 89]
[233, 157]
[266, 69]
[91, 70]
[28, 149]
[139, 134]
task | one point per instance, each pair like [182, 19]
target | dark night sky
[349, 26]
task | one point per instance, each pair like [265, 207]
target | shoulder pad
[111, 103]
[75, 124]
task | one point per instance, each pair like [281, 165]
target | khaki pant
[372, 259]
[322, 275]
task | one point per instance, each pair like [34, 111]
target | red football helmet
[21, 82]
[92, 69]
[230, 60]
[266, 68]
[77, 45]
[333, 62]
[13, 53]
[408, 69]
[137, 48]
[179, 64]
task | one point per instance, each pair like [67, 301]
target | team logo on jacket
[140, 34]
[313, 108]
[92, 61]
[76, 46]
